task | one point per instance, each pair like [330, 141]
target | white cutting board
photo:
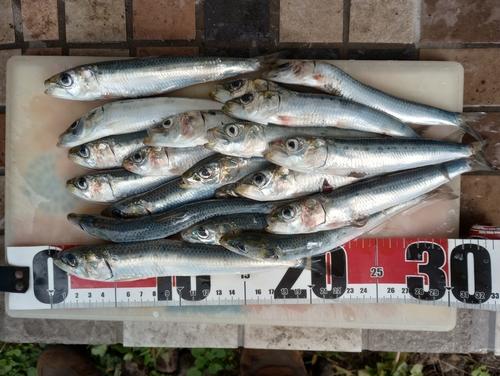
[37, 202]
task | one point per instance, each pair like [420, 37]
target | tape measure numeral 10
[456, 273]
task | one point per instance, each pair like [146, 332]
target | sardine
[107, 152]
[187, 129]
[132, 261]
[128, 116]
[314, 110]
[163, 225]
[362, 157]
[354, 203]
[145, 76]
[112, 185]
[153, 161]
[211, 230]
[226, 191]
[274, 183]
[236, 88]
[329, 78]
[166, 197]
[252, 139]
[220, 169]
[266, 246]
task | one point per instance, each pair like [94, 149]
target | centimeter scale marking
[452, 273]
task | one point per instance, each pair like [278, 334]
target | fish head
[241, 139]
[147, 161]
[262, 184]
[298, 217]
[93, 154]
[214, 170]
[85, 262]
[292, 72]
[258, 106]
[91, 187]
[302, 154]
[174, 130]
[79, 83]
[231, 89]
[205, 233]
[83, 129]
[250, 244]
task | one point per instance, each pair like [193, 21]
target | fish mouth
[75, 219]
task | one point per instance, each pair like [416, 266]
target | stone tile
[481, 66]
[40, 20]
[2, 145]
[98, 52]
[237, 20]
[302, 338]
[167, 334]
[471, 334]
[164, 19]
[2, 202]
[383, 21]
[54, 51]
[169, 51]
[314, 21]
[379, 54]
[313, 53]
[460, 21]
[6, 22]
[5, 55]
[95, 21]
[236, 51]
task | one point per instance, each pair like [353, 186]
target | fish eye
[65, 79]
[259, 179]
[138, 157]
[167, 123]
[283, 66]
[232, 130]
[235, 85]
[205, 172]
[74, 125]
[70, 259]
[292, 144]
[83, 151]
[202, 232]
[246, 98]
[288, 212]
[81, 183]
[240, 246]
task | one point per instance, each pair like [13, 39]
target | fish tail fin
[443, 193]
[454, 137]
[479, 148]
[270, 60]
[467, 119]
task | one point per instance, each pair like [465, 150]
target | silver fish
[186, 130]
[138, 260]
[220, 169]
[252, 139]
[236, 88]
[266, 246]
[329, 78]
[145, 76]
[107, 152]
[226, 191]
[166, 197]
[165, 224]
[314, 110]
[274, 183]
[354, 203]
[153, 161]
[362, 157]
[128, 116]
[211, 230]
[112, 185]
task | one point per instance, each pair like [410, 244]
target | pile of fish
[258, 178]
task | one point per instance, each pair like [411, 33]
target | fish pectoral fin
[360, 222]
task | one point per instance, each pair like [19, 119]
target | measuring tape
[441, 272]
